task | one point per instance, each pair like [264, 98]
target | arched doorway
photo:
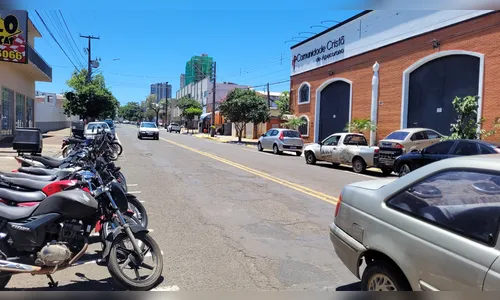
[431, 84]
[333, 107]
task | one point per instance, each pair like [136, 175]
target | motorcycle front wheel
[125, 267]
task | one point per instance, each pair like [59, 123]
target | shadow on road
[86, 284]
[352, 287]
[346, 168]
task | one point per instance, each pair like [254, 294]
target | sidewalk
[52, 142]
[227, 139]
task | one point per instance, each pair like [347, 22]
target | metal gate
[434, 85]
[334, 108]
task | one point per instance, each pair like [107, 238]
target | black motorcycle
[53, 236]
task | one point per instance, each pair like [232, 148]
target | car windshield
[291, 134]
[174, 124]
[148, 125]
[97, 126]
[397, 135]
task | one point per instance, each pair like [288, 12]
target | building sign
[325, 52]
[13, 35]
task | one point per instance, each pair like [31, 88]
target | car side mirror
[263, 135]
[320, 143]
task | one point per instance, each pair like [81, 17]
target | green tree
[244, 106]
[466, 124]
[154, 107]
[283, 104]
[89, 99]
[191, 112]
[360, 126]
[131, 111]
[185, 104]
[294, 123]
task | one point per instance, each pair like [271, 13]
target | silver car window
[332, 140]
[464, 202]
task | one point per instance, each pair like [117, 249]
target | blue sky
[154, 45]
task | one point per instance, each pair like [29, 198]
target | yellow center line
[297, 187]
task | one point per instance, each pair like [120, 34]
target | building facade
[386, 67]
[197, 68]
[17, 80]
[162, 90]
[182, 81]
[49, 112]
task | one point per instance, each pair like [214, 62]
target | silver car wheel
[405, 169]
[381, 283]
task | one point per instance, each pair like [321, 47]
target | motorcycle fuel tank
[76, 204]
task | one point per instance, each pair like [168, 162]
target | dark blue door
[334, 108]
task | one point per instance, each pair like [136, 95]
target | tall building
[161, 90]
[197, 68]
[183, 80]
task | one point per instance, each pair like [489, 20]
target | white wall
[371, 31]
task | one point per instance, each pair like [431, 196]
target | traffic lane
[244, 231]
[322, 177]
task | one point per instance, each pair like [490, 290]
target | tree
[283, 104]
[89, 99]
[190, 108]
[244, 106]
[131, 111]
[360, 126]
[466, 124]
[154, 106]
[294, 123]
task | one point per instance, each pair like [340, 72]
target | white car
[94, 128]
[148, 129]
[174, 127]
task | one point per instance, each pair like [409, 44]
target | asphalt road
[227, 218]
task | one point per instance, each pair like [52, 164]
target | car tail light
[398, 146]
[337, 208]
[375, 151]
[282, 137]
[497, 150]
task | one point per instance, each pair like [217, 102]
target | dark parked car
[442, 150]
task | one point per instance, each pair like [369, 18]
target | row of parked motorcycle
[52, 208]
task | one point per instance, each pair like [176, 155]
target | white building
[49, 112]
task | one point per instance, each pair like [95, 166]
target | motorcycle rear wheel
[117, 272]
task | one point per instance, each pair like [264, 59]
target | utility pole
[268, 97]
[212, 132]
[89, 72]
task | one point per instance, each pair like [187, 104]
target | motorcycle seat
[25, 183]
[48, 161]
[13, 213]
[76, 141]
[37, 171]
[29, 176]
[20, 196]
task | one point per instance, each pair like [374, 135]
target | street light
[319, 26]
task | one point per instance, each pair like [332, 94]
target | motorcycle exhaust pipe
[13, 267]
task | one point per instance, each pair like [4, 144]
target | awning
[203, 116]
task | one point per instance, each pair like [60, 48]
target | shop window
[304, 93]
[7, 111]
[20, 109]
[304, 128]
[30, 112]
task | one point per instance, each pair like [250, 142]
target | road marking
[134, 192]
[297, 187]
[170, 288]
[133, 184]
[142, 201]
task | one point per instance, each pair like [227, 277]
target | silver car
[435, 229]
[280, 139]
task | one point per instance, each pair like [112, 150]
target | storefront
[398, 69]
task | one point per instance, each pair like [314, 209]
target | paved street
[227, 218]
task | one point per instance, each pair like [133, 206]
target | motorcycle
[53, 235]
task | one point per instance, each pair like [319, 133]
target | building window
[20, 107]
[7, 112]
[304, 128]
[304, 93]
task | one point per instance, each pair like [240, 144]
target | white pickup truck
[345, 148]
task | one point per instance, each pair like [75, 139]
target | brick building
[397, 68]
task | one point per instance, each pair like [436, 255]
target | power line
[60, 31]
[69, 31]
[55, 40]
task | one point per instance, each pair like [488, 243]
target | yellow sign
[13, 36]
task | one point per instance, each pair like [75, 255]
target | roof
[332, 28]
[412, 130]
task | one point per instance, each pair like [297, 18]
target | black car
[442, 150]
